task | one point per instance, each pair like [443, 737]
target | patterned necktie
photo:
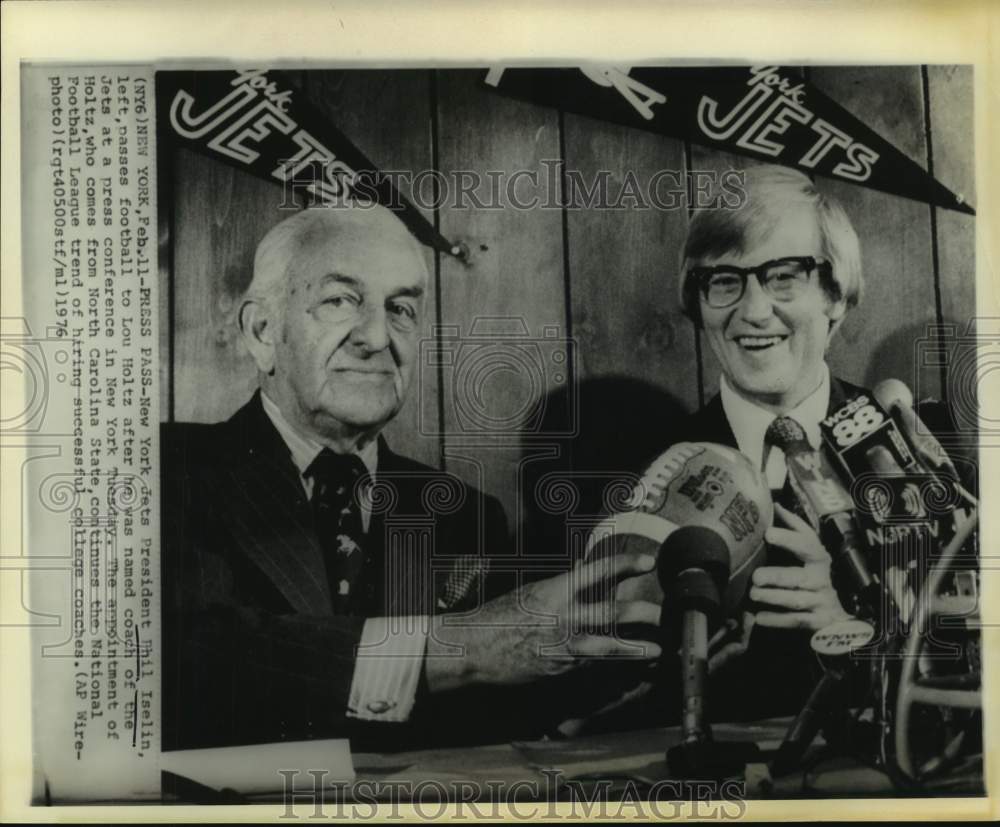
[338, 522]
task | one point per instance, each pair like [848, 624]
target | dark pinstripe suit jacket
[252, 650]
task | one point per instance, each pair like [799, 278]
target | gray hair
[278, 248]
[274, 256]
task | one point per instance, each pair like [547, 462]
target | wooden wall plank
[220, 215]
[386, 114]
[635, 358]
[515, 274]
[950, 104]
[623, 263]
[879, 337]
[952, 135]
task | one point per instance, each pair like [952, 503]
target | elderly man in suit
[769, 284]
[312, 576]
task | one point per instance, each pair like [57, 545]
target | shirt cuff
[387, 668]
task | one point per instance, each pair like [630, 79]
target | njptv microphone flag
[765, 112]
[259, 121]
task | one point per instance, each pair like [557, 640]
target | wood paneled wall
[604, 278]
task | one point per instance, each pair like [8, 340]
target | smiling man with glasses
[769, 284]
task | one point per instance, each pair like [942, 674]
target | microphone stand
[696, 594]
[826, 696]
[694, 669]
[868, 598]
[830, 694]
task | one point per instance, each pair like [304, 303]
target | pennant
[258, 121]
[764, 112]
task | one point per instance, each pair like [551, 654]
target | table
[616, 764]
[639, 755]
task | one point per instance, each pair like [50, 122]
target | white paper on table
[254, 768]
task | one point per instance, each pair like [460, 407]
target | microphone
[869, 447]
[702, 508]
[911, 503]
[693, 570]
[897, 398]
[830, 510]
[900, 499]
[833, 646]
[858, 426]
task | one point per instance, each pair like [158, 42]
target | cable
[921, 616]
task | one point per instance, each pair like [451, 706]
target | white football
[691, 484]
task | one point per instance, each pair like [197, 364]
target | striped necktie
[337, 513]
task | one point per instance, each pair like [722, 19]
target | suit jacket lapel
[839, 393]
[266, 510]
[711, 425]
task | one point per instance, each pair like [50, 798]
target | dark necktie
[338, 522]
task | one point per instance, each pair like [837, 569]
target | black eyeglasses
[783, 279]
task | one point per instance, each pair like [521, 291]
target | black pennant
[259, 121]
[763, 112]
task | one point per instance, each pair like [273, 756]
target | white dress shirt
[391, 651]
[750, 422]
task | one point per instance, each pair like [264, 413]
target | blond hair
[772, 192]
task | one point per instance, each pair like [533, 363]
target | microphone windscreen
[895, 396]
[693, 547]
[892, 392]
